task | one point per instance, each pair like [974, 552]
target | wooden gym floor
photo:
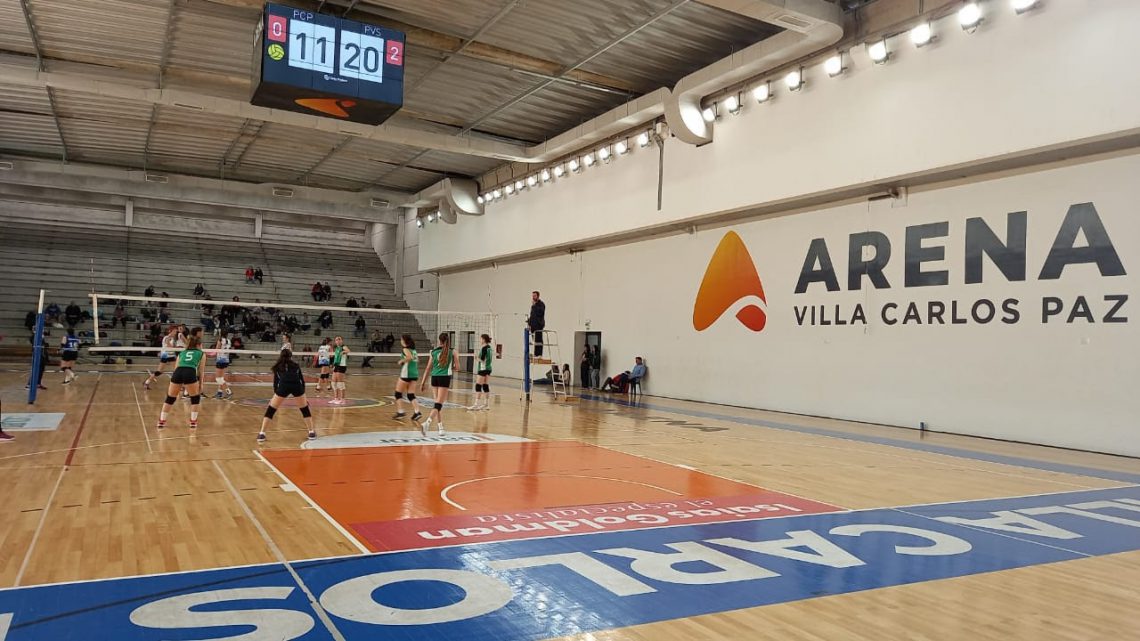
[105, 495]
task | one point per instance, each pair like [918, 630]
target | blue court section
[542, 588]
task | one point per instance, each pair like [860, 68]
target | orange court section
[421, 495]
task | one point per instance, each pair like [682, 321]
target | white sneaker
[441, 431]
[425, 426]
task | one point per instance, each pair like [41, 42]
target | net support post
[526, 362]
[37, 355]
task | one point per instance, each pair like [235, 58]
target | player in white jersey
[167, 355]
[221, 362]
[324, 361]
[286, 342]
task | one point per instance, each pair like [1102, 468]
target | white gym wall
[967, 100]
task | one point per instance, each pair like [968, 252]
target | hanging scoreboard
[323, 65]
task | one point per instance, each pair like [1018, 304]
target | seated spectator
[30, 321]
[388, 342]
[163, 303]
[326, 289]
[325, 319]
[199, 289]
[351, 302]
[237, 343]
[306, 323]
[249, 274]
[620, 383]
[72, 314]
[363, 302]
[149, 291]
[373, 346]
[318, 292]
[359, 332]
[259, 275]
[51, 313]
[119, 316]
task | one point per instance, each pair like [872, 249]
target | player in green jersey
[442, 365]
[186, 377]
[482, 375]
[409, 374]
[340, 370]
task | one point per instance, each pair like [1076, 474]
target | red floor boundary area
[409, 497]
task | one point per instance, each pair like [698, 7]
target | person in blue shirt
[620, 383]
[68, 352]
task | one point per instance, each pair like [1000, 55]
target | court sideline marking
[313, 601]
[142, 421]
[55, 488]
[313, 504]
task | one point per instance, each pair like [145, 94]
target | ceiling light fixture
[545, 175]
[732, 103]
[970, 16]
[762, 92]
[878, 52]
[621, 147]
[589, 159]
[834, 65]
[643, 139]
[794, 80]
[922, 35]
[1021, 6]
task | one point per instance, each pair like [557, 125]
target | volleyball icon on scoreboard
[276, 51]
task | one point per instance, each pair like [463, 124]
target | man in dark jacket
[536, 322]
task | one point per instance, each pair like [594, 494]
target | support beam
[40, 65]
[613, 42]
[499, 15]
[340, 145]
[244, 150]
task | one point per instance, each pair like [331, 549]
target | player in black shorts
[288, 380]
[187, 376]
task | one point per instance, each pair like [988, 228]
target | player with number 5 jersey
[186, 377]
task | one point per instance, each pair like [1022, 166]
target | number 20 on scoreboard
[316, 48]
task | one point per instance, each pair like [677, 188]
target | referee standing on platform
[536, 322]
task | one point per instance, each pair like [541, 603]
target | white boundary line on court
[142, 421]
[313, 504]
[39, 528]
[313, 601]
[443, 494]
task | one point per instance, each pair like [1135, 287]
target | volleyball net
[125, 333]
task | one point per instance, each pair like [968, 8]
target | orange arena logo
[328, 106]
[730, 277]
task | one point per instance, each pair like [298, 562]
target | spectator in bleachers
[149, 291]
[72, 315]
[306, 323]
[51, 314]
[373, 346]
[249, 274]
[318, 292]
[363, 302]
[119, 317]
[30, 320]
[199, 289]
[208, 308]
[259, 275]
[360, 332]
[162, 304]
[326, 289]
[325, 319]
[388, 342]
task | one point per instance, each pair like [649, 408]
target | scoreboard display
[323, 65]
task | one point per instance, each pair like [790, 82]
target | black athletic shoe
[312, 435]
[416, 416]
[261, 437]
[399, 416]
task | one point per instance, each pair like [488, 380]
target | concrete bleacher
[70, 262]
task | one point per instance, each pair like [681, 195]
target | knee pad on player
[412, 397]
[270, 411]
[196, 399]
[438, 406]
[157, 373]
[306, 412]
[170, 400]
[399, 395]
[324, 376]
[220, 380]
[486, 388]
